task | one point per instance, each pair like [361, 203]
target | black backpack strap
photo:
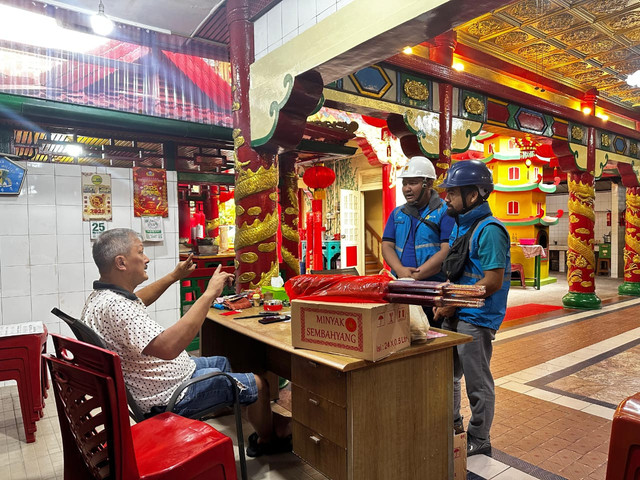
[413, 211]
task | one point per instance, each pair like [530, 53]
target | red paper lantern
[226, 196]
[319, 177]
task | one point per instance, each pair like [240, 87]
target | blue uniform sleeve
[446, 225]
[493, 246]
[389, 233]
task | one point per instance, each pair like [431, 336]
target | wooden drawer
[324, 381]
[319, 452]
[320, 415]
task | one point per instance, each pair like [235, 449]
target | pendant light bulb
[101, 24]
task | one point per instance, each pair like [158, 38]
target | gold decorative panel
[606, 82]
[574, 68]
[626, 21]
[579, 35]
[552, 25]
[589, 77]
[604, 7]
[633, 35]
[511, 39]
[530, 9]
[486, 27]
[535, 50]
[614, 56]
[558, 59]
[597, 46]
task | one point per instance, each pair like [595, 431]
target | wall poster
[96, 197]
[11, 177]
[150, 192]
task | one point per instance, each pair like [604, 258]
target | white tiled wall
[288, 19]
[45, 250]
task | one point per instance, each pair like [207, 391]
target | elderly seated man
[154, 361]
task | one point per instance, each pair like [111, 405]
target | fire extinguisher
[622, 221]
[608, 218]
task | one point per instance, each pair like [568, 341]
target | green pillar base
[581, 300]
[629, 288]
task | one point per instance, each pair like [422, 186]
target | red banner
[150, 192]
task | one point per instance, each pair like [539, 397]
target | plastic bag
[335, 288]
[419, 324]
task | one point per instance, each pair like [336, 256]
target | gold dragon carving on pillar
[580, 256]
[632, 236]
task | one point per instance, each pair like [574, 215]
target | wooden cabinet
[353, 419]
[318, 396]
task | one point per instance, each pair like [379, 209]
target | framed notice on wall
[150, 192]
[96, 197]
[11, 177]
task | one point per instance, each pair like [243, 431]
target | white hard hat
[418, 167]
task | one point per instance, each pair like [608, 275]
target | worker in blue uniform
[484, 260]
[415, 240]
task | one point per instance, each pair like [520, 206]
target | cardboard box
[460, 456]
[370, 331]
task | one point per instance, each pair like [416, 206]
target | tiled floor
[559, 377]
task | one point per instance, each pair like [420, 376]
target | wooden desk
[353, 419]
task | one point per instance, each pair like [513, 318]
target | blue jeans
[215, 390]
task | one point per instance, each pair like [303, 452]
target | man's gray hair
[110, 244]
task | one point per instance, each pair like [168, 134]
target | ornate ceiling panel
[583, 43]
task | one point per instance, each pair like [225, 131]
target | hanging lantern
[225, 196]
[319, 177]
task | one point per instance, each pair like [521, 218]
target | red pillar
[442, 52]
[316, 207]
[446, 115]
[580, 256]
[256, 174]
[184, 220]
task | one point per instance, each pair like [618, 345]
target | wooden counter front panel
[319, 414]
[411, 437]
[320, 452]
[324, 381]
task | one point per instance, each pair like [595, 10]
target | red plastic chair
[624, 448]
[20, 360]
[98, 441]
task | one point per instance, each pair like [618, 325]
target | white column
[615, 229]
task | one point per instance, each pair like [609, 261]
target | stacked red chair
[21, 360]
[98, 441]
[624, 447]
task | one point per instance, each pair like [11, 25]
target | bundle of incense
[434, 301]
[435, 288]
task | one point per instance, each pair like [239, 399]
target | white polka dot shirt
[121, 319]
